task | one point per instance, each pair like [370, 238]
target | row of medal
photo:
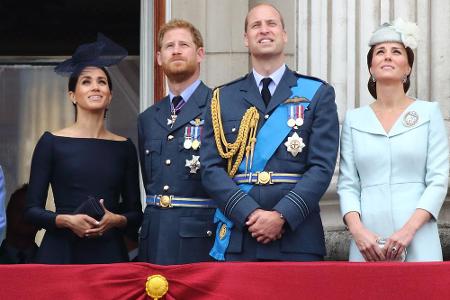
[296, 113]
[192, 137]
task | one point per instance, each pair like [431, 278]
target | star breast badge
[193, 164]
[294, 144]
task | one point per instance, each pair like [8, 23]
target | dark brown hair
[372, 86]
[73, 80]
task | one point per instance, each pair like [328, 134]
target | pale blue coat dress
[385, 177]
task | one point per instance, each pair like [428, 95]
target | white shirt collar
[275, 76]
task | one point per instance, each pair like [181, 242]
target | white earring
[405, 78]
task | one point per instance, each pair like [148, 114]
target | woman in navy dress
[84, 161]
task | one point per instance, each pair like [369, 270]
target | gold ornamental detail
[156, 286]
[245, 141]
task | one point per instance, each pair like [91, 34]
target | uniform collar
[275, 76]
[187, 93]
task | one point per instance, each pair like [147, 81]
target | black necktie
[265, 93]
[176, 103]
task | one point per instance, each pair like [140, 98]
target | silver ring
[394, 249]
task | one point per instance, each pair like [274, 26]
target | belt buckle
[264, 178]
[165, 201]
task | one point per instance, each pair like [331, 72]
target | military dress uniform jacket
[173, 235]
[297, 202]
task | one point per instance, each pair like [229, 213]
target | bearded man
[178, 219]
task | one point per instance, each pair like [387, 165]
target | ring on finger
[394, 249]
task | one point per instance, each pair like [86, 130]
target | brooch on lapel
[410, 119]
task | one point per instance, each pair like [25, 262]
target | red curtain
[323, 280]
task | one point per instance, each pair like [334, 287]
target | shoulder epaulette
[310, 77]
[231, 82]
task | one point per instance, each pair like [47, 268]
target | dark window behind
[57, 27]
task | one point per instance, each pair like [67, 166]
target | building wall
[222, 26]
[328, 39]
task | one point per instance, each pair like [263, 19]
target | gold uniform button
[168, 162]
[166, 188]
[147, 152]
[266, 117]
[209, 233]
[170, 137]
[165, 201]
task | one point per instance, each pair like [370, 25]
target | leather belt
[167, 201]
[265, 177]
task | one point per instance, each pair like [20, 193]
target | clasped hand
[265, 226]
[392, 250]
[85, 226]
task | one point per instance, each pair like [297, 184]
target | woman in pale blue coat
[394, 159]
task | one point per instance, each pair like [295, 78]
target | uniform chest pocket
[231, 129]
[152, 154]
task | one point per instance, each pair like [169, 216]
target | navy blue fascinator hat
[101, 53]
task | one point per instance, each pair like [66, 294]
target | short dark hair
[372, 86]
[262, 4]
[73, 80]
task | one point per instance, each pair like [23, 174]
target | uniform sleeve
[2, 203]
[231, 200]
[304, 198]
[349, 185]
[437, 165]
[131, 206]
[40, 176]
[141, 138]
